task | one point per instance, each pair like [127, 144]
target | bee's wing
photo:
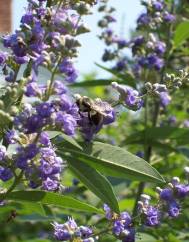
[100, 106]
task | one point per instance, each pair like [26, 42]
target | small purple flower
[31, 151]
[21, 59]
[5, 174]
[65, 103]
[59, 88]
[34, 123]
[46, 168]
[152, 216]
[61, 233]
[125, 216]
[3, 57]
[165, 99]
[66, 122]
[110, 19]
[10, 77]
[123, 229]
[33, 185]
[169, 17]
[157, 5]
[155, 62]
[172, 120]
[186, 123]
[47, 152]
[50, 184]
[121, 43]
[138, 41]
[118, 227]
[110, 113]
[68, 69]
[129, 96]
[44, 110]
[2, 152]
[121, 65]
[27, 18]
[130, 237]
[160, 47]
[182, 190]
[32, 89]
[85, 232]
[11, 137]
[21, 161]
[140, 154]
[166, 194]
[132, 100]
[108, 212]
[143, 19]
[38, 31]
[174, 209]
[45, 139]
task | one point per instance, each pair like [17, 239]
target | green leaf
[181, 34]
[127, 78]
[30, 208]
[50, 198]
[38, 240]
[93, 83]
[95, 182]
[66, 141]
[101, 82]
[145, 238]
[180, 135]
[113, 161]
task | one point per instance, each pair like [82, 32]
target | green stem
[48, 93]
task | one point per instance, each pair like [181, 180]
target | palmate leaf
[50, 198]
[95, 182]
[112, 161]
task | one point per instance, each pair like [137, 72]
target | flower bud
[82, 29]
[145, 199]
[158, 189]
[148, 86]
[175, 181]
[83, 8]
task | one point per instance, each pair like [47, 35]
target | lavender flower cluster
[70, 231]
[124, 226]
[132, 99]
[34, 43]
[156, 14]
[46, 38]
[168, 206]
[148, 50]
[128, 97]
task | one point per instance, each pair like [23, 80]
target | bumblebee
[96, 109]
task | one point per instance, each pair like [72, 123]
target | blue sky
[92, 48]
